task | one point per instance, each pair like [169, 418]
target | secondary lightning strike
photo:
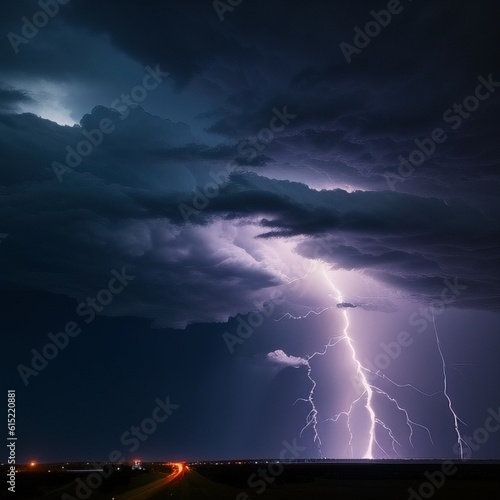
[292, 281]
[392, 437]
[409, 422]
[456, 418]
[383, 376]
[347, 414]
[311, 419]
[311, 311]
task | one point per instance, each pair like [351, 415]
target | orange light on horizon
[32, 464]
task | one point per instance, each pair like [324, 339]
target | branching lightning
[368, 391]
[308, 313]
[369, 394]
[311, 419]
[378, 373]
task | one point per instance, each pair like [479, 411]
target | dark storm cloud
[11, 98]
[132, 219]
[448, 28]
[54, 51]
[90, 223]
[353, 121]
[182, 35]
[254, 55]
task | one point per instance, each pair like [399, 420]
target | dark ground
[339, 480]
[471, 480]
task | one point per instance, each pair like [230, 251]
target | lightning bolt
[368, 393]
[311, 419]
[456, 418]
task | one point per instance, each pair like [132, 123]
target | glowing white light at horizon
[47, 99]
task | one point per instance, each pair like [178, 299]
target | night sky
[267, 220]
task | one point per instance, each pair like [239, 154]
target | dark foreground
[270, 480]
[389, 480]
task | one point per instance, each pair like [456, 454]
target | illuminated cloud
[280, 358]
[409, 242]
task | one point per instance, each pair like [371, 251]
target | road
[156, 487]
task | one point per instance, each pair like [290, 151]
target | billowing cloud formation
[11, 98]
[410, 242]
[74, 233]
[353, 120]
[319, 183]
[120, 208]
[280, 358]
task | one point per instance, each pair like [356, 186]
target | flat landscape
[411, 480]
